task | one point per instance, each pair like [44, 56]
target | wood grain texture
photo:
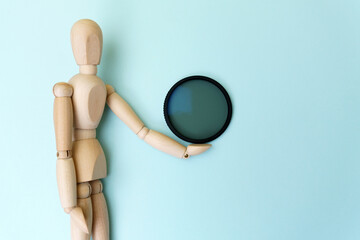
[195, 149]
[78, 218]
[89, 160]
[165, 144]
[62, 89]
[88, 69]
[63, 116]
[100, 229]
[158, 140]
[123, 111]
[80, 134]
[86, 42]
[66, 181]
[84, 190]
[77, 230]
[88, 100]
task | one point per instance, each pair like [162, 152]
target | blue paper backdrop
[288, 165]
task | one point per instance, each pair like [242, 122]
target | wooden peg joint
[96, 186]
[143, 132]
[62, 89]
[83, 190]
[64, 154]
[109, 89]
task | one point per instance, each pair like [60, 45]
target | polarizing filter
[197, 109]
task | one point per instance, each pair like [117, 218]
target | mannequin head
[86, 41]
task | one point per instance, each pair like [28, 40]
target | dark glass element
[197, 109]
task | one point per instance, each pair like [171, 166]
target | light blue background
[288, 165]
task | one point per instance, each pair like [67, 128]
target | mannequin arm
[157, 140]
[63, 122]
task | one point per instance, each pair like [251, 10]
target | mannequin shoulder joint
[62, 89]
[109, 89]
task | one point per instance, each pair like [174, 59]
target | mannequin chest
[88, 100]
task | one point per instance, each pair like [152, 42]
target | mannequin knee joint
[83, 190]
[96, 186]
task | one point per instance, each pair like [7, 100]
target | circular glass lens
[197, 109]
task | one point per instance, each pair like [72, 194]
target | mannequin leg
[100, 228]
[84, 202]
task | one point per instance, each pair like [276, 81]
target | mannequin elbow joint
[143, 132]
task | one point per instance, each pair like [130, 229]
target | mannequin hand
[78, 217]
[195, 149]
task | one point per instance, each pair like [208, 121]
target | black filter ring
[219, 86]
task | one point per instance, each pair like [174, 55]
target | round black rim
[192, 140]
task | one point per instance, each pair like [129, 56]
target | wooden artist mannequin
[78, 108]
